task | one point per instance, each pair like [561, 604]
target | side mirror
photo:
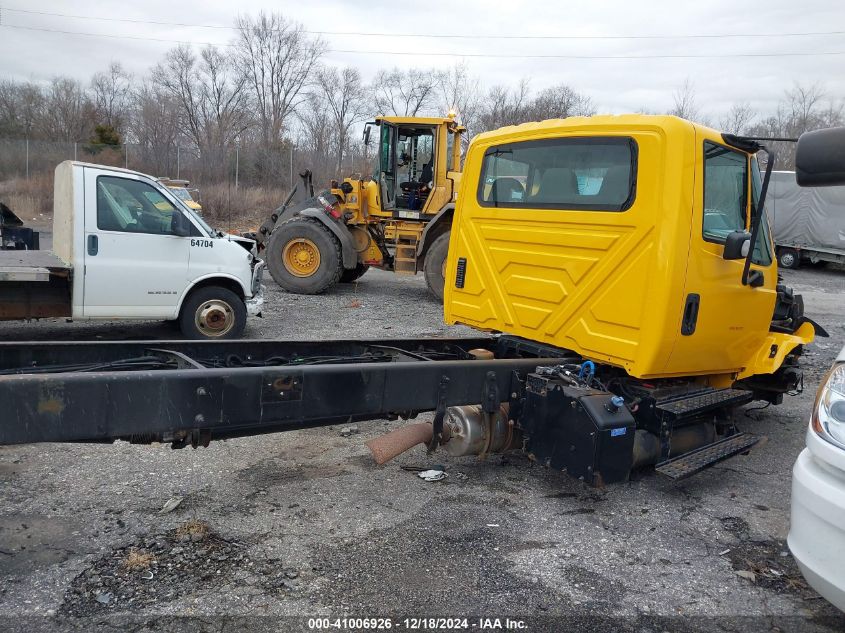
[367, 129]
[180, 225]
[737, 245]
[820, 158]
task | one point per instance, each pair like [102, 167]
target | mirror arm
[755, 229]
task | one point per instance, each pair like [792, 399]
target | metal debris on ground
[171, 504]
[349, 430]
[433, 475]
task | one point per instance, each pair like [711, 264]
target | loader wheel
[789, 258]
[303, 256]
[212, 312]
[352, 274]
[435, 265]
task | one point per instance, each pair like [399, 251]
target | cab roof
[416, 120]
[598, 123]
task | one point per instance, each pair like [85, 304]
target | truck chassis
[489, 394]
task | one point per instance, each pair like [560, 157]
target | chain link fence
[250, 166]
[236, 182]
[235, 166]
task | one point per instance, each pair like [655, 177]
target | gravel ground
[303, 524]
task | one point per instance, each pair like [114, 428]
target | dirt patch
[166, 567]
[769, 565]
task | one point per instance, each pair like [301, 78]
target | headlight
[829, 411]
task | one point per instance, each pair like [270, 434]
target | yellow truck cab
[607, 236]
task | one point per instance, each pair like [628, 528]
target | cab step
[695, 461]
[689, 405]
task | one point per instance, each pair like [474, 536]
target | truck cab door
[387, 166]
[721, 323]
[136, 266]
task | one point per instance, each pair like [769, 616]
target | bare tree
[685, 105]
[155, 126]
[404, 93]
[346, 99]
[738, 119]
[459, 93]
[802, 109]
[803, 104]
[504, 106]
[276, 57]
[316, 139]
[112, 95]
[559, 102]
[212, 102]
[67, 110]
[21, 107]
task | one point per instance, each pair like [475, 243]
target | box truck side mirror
[820, 158]
[737, 245]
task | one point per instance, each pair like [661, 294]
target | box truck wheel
[212, 312]
[435, 265]
[789, 258]
[303, 256]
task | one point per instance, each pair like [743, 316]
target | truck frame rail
[189, 393]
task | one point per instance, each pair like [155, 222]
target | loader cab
[411, 166]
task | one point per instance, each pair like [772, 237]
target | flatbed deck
[34, 285]
[32, 259]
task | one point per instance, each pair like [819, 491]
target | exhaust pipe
[465, 432]
[393, 444]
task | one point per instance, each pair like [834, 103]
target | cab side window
[577, 173]
[725, 192]
[132, 206]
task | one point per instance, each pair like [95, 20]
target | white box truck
[808, 223]
[126, 247]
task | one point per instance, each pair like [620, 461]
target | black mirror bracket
[757, 219]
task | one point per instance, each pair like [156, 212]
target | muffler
[467, 430]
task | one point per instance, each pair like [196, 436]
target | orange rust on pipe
[388, 446]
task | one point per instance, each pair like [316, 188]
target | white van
[126, 247]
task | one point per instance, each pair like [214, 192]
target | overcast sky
[615, 85]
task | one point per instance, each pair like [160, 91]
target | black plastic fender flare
[429, 234]
[340, 231]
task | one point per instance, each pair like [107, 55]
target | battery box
[577, 430]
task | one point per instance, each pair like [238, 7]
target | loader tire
[435, 265]
[303, 256]
[212, 312]
[353, 274]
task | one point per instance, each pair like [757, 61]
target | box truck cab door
[721, 322]
[135, 263]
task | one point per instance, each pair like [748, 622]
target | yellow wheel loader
[398, 218]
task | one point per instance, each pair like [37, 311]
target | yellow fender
[766, 363]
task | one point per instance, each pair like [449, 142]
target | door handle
[690, 314]
[93, 245]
